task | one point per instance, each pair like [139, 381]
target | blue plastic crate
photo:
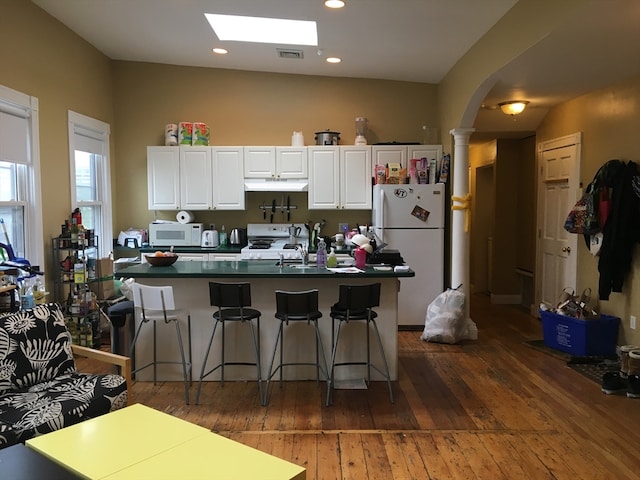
[580, 337]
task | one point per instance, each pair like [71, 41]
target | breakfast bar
[190, 282]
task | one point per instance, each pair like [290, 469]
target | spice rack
[74, 270]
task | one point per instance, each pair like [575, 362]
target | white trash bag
[445, 322]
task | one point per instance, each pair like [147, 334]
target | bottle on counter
[321, 254]
[74, 233]
[332, 260]
[216, 236]
[223, 237]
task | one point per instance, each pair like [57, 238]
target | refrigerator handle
[380, 215]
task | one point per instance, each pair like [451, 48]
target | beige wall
[252, 108]
[42, 58]
[609, 121]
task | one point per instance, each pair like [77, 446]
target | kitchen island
[190, 282]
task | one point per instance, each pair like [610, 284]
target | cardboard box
[103, 286]
[593, 337]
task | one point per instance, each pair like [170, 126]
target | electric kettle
[209, 239]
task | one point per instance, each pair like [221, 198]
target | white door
[559, 167]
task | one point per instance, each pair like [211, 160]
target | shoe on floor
[612, 382]
[633, 390]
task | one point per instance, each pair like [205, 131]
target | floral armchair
[40, 388]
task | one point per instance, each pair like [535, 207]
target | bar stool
[355, 302]
[297, 307]
[157, 303]
[231, 300]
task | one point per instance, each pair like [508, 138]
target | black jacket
[622, 229]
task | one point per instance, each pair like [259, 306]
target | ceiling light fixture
[263, 30]
[513, 107]
[220, 51]
[333, 60]
[334, 3]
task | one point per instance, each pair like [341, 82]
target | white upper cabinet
[163, 178]
[259, 162]
[324, 177]
[384, 154]
[355, 177]
[195, 178]
[275, 162]
[339, 177]
[227, 168]
[291, 162]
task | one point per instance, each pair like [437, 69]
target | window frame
[26, 106]
[82, 125]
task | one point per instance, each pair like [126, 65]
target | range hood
[268, 185]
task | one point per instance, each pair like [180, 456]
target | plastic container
[596, 337]
[321, 254]
[332, 260]
[361, 257]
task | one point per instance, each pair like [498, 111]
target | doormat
[594, 368]
[350, 384]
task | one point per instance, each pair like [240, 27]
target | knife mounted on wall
[273, 209]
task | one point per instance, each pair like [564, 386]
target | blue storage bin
[597, 337]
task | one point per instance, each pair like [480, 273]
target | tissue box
[597, 337]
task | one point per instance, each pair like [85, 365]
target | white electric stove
[267, 241]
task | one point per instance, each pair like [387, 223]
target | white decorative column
[461, 213]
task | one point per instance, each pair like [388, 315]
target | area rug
[591, 367]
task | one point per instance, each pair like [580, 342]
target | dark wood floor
[494, 408]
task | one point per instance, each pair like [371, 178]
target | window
[90, 179]
[20, 202]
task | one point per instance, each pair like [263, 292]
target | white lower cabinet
[339, 177]
[223, 257]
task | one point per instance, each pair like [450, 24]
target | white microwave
[175, 234]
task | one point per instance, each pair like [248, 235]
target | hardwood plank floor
[494, 408]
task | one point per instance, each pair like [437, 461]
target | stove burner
[261, 244]
[290, 246]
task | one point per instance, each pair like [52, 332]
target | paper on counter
[346, 270]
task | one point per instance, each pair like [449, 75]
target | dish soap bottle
[223, 237]
[332, 260]
[321, 254]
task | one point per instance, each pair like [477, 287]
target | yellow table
[138, 442]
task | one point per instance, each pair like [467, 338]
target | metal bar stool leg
[256, 343]
[204, 362]
[384, 359]
[184, 364]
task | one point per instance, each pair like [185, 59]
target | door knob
[566, 249]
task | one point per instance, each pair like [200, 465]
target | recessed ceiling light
[220, 51]
[334, 3]
[333, 60]
[263, 30]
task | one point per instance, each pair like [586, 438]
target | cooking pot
[238, 237]
[327, 138]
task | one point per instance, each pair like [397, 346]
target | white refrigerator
[410, 219]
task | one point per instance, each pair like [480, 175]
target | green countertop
[251, 268]
[194, 249]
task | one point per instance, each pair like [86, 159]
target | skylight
[263, 30]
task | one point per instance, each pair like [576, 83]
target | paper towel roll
[184, 216]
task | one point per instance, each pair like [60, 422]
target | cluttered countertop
[257, 269]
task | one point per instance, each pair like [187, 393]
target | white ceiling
[407, 40]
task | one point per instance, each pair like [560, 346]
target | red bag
[604, 206]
